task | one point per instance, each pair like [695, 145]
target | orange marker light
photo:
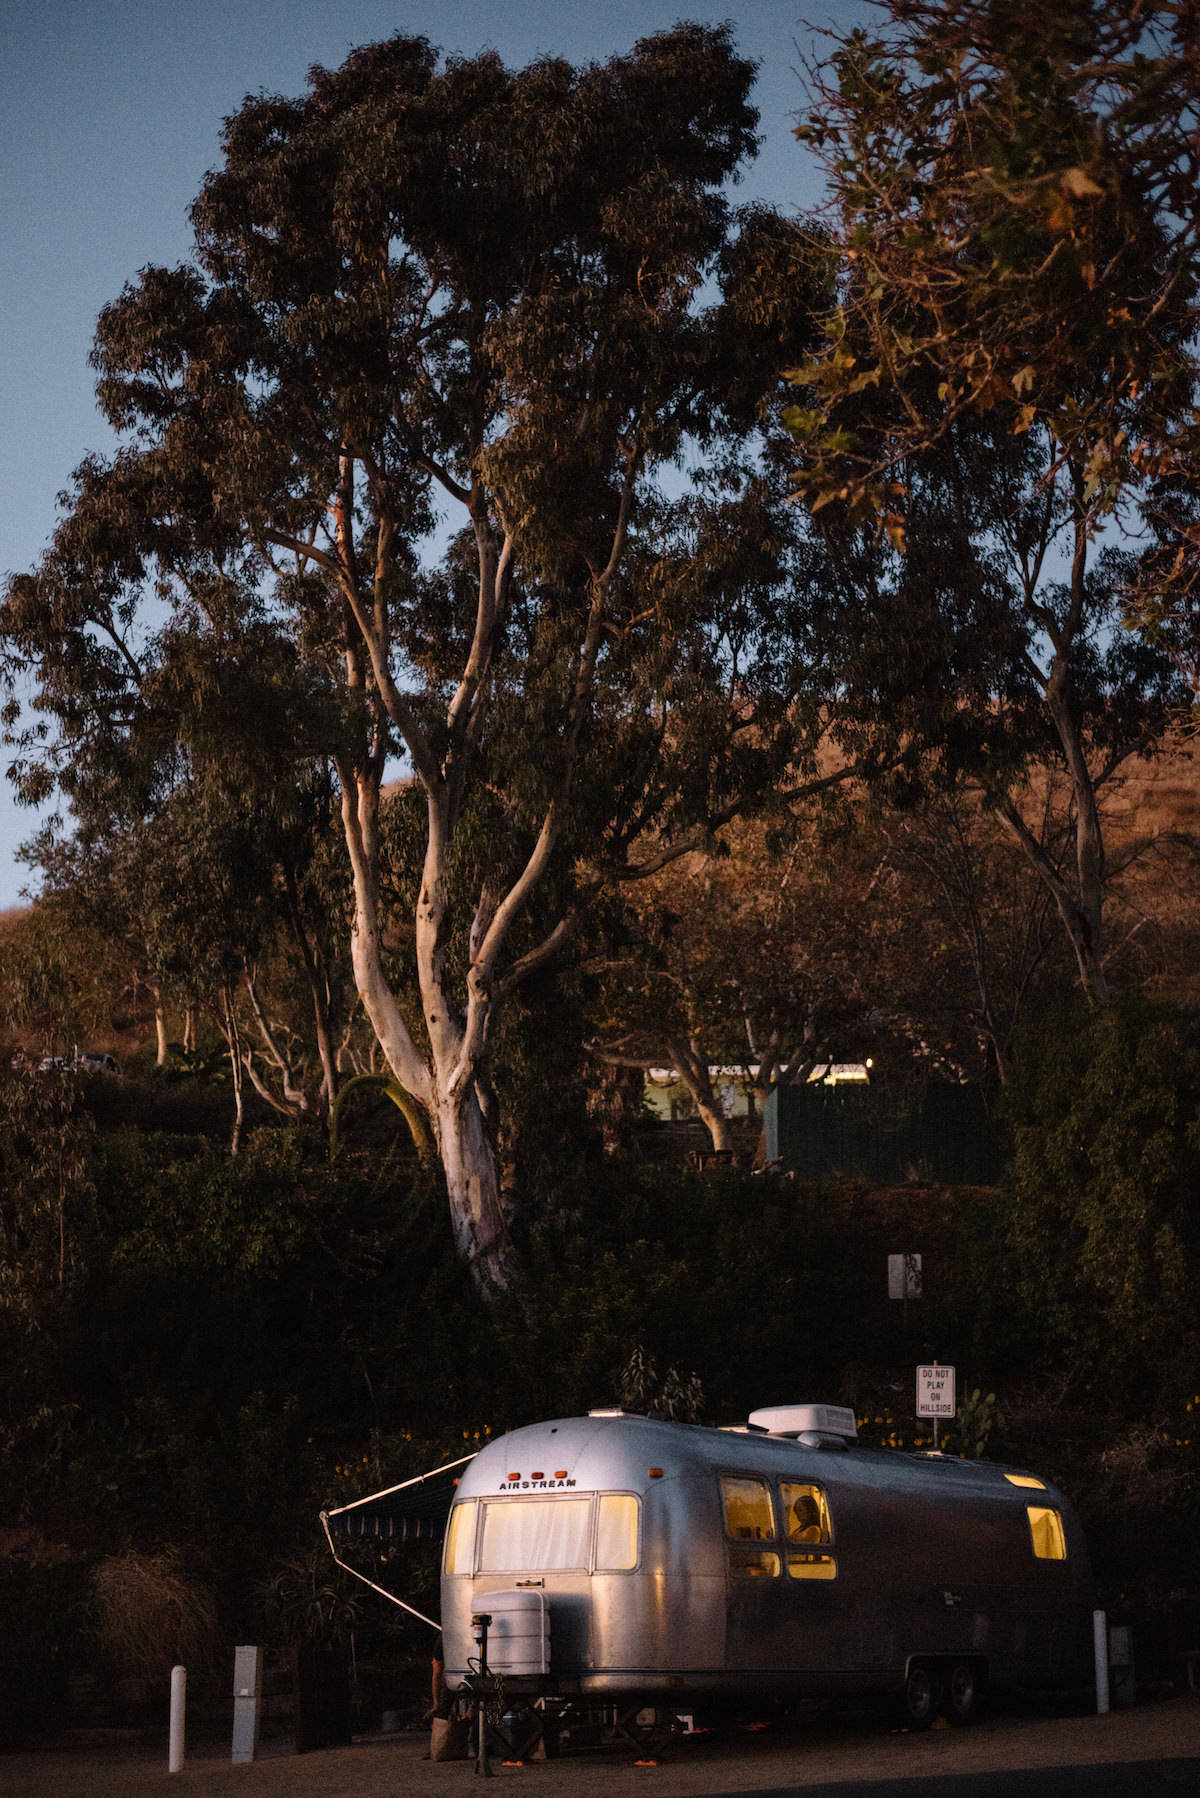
[561, 1473]
[514, 1476]
[656, 1473]
[537, 1476]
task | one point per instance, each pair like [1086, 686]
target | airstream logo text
[533, 1485]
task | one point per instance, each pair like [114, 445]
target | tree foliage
[1008, 371]
[519, 296]
[1102, 1234]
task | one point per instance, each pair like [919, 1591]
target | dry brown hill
[1157, 794]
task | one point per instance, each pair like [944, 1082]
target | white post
[1100, 1645]
[178, 1708]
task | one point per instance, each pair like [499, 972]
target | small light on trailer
[514, 1476]
[560, 1473]
[656, 1473]
[537, 1476]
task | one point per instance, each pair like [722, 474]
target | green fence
[884, 1134]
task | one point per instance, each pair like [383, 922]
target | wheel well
[946, 1663]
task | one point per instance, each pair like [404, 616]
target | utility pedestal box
[1121, 1673]
[247, 1702]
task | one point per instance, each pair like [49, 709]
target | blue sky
[109, 117]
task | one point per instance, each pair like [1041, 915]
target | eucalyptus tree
[190, 758]
[1007, 385]
[450, 296]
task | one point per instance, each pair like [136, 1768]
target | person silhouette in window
[807, 1515]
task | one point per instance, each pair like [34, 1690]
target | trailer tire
[649, 1728]
[962, 1693]
[921, 1697]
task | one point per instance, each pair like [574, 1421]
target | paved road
[1127, 1779]
[1152, 1751]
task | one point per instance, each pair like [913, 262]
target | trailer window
[748, 1515]
[754, 1563]
[802, 1566]
[527, 1534]
[616, 1533]
[460, 1538]
[1045, 1526]
[805, 1512]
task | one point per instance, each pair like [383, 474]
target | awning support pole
[345, 1565]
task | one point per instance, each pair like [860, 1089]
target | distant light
[839, 1073]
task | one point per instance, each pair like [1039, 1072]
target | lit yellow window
[616, 1533]
[805, 1513]
[1025, 1479]
[748, 1516]
[460, 1538]
[811, 1567]
[754, 1563]
[1049, 1543]
[523, 1535]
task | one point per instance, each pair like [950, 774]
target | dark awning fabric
[410, 1513]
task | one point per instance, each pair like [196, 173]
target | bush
[1097, 1250]
[148, 1616]
[43, 1607]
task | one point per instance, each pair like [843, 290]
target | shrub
[150, 1616]
[1097, 1247]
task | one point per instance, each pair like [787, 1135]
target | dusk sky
[110, 115]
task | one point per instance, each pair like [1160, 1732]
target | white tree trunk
[233, 1040]
[692, 1063]
[473, 1187]
[443, 1086]
[444, 1074]
[716, 1123]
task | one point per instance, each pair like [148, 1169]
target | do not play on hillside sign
[935, 1391]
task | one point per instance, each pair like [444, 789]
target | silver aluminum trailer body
[676, 1565]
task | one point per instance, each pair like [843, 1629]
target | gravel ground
[124, 1764]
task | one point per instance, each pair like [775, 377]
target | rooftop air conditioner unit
[806, 1420]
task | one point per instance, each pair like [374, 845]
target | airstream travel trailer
[617, 1557]
[620, 1555]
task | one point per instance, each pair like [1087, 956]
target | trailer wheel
[962, 1693]
[520, 1730]
[648, 1728]
[920, 1697]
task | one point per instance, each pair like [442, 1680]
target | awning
[413, 1512]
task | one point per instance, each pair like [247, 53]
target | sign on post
[935, 1391]
[935, 1394]
[904, 1281]
[904, 1276]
